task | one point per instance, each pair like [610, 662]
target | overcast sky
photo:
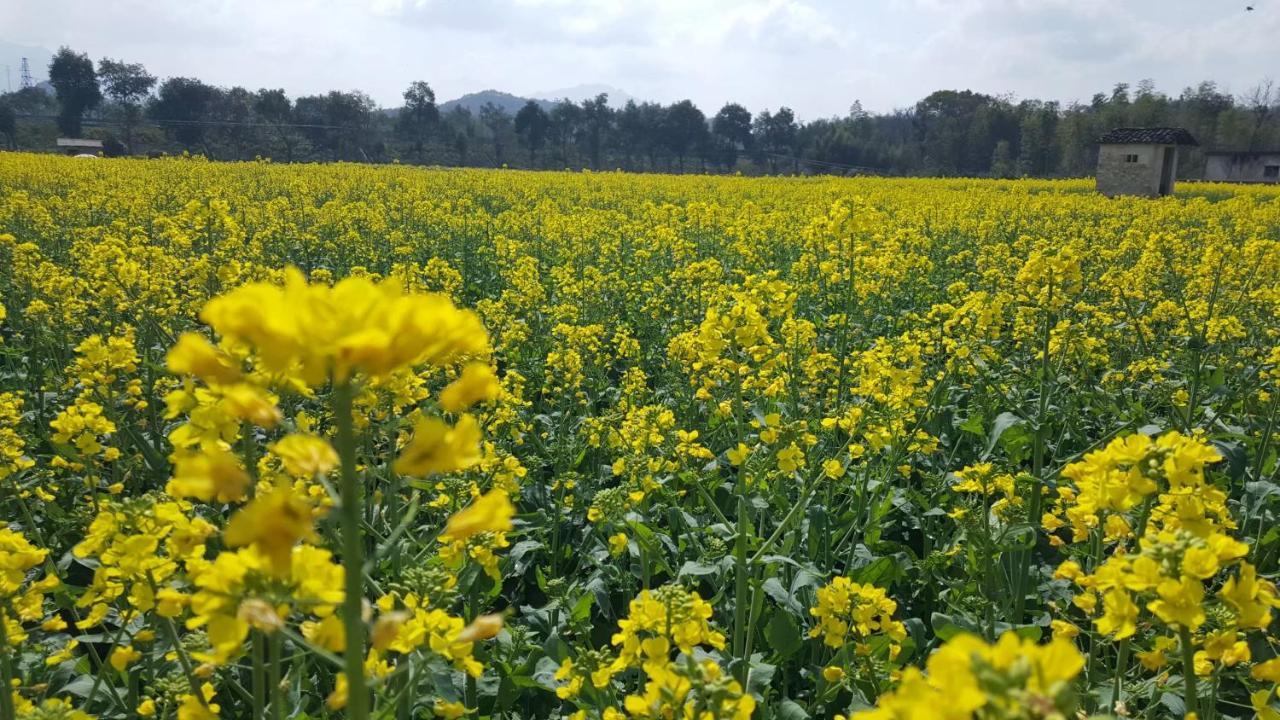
[816, 56]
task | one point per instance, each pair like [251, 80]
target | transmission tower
[25, 69]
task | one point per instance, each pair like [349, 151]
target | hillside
[476, 100]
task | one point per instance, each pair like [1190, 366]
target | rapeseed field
[298, 441]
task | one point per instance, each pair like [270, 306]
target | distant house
[79, 146]
[1254, 166]
[1140, 161]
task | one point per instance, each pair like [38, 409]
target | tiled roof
[1152, 135]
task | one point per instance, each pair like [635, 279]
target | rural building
[1261, 166]
[1140, 161]
[77, 146]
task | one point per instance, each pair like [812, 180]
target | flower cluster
[847, 611]
[968, 678]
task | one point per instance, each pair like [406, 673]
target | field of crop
[320, 441]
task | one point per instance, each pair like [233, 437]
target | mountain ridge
[511, 103]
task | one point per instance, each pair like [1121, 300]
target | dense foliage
[950, 133]
[381, 441]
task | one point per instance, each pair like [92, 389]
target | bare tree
[1260, 100]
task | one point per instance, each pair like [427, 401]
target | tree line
[954, 133]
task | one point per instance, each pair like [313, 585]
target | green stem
[6, 674]
[1022, 579]
[471, 691]
[791, 515]
[1188, 672]
[259, 675]
[402, 701]
[756, 605]
[100, 675]
[740, 595]
[1117, 695]
[352, 556]
[988, 584]
[273, 669]
[740, 559]
[395, 485]
[184, 660]
[644, 561]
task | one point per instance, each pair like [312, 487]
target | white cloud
[816, 56]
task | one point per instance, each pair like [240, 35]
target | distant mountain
[11, 55]
[476, 100]
[588, 91]
[512, 103]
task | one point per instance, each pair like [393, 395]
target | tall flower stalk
[351, 511]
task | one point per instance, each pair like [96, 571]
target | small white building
[1246, 166]
[1140, 161]
[79, 146]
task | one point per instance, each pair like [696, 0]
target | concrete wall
[1117, 177]
[1240, 167]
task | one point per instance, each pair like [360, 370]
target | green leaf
[698, 569]
[79, 687]
[1176, 707]
[507, 693]
[1026, 632]
[1236, 459]
[948, 626]
[791, 710]
[545, 674]
[880, 572]
[973, 424]
[1004, 421]
[773, 588]
[582, 608]
[761, 677]
[783, 635]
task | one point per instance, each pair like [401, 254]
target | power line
[827, 163]
[164, 121]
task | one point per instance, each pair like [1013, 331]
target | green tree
[566, 118]
[182, 107]
[1001, 160]
[76, 86]
[498, 123]
[597, 118]
[275, 109]
[461, 130]
[776, 133]
[349, 114]
[532, 126]
[732, 125]
[419, 117]
[337, 122]
[639, 131]
[232, 110]
[684, 129]
[8, 123]
[127, 85]
[943, 120]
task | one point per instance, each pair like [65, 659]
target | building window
[1131, 158]
[1271, 172]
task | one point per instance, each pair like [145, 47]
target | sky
[815, 56]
